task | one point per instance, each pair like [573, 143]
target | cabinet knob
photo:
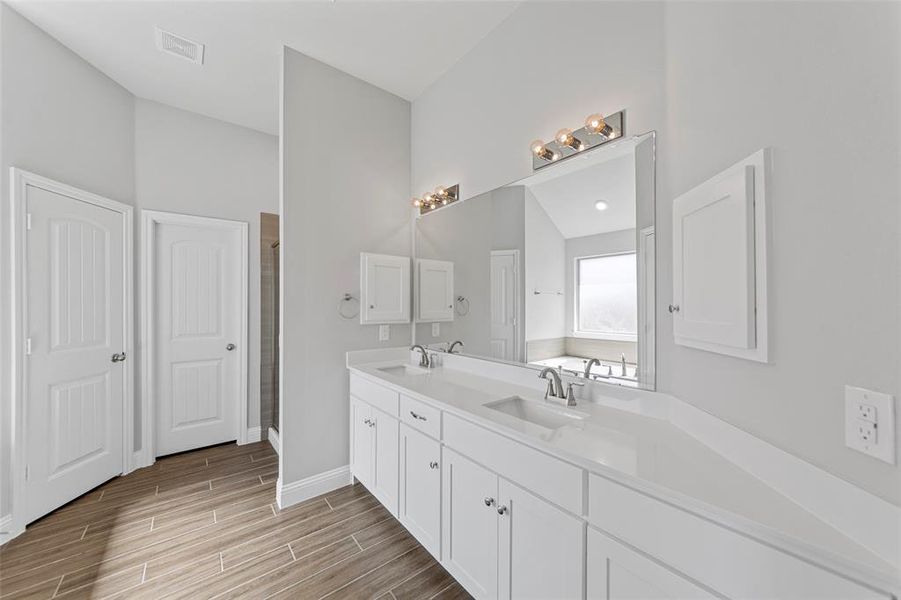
[674, 308]
[433, 465]
[489, 501]
[501, 510]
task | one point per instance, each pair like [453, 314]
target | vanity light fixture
[598, 130]
[441, 196]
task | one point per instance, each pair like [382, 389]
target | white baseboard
[6, 532]
[139, 460]
[254, 434]
[298, 491]
[274, 440]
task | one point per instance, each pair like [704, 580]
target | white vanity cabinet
[420, 487]
[361, 436]
[616, 572]
[374, 452]
[501, 541]
[385, 289]
[434, 284]
[470, 525]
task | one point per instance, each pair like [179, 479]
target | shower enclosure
[269, 322]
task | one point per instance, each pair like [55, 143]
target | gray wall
[191, 164]
[818, 82]
[62, 119]
[346, 189]
[544, 271]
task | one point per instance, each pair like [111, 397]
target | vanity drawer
[421, 416]
[378, 396]
[540, 473]
[723, 560]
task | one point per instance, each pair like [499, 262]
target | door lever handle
[117, 357]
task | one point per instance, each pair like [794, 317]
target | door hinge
[26, 472]
[28, 221]
[27, 346]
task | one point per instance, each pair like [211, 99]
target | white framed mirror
[557, 269]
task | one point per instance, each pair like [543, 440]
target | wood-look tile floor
[204, 524]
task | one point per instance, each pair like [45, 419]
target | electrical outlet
[436, 329]
[870, 423]
[384, 333]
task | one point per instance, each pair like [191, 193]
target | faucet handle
[570, 396]
[549, 392]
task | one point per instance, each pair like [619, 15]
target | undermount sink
[403, 370]
[547, 416]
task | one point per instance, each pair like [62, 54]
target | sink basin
[547, 416]
[403, 370]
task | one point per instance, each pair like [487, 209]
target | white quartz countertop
[647, 453]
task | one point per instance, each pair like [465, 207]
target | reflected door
[504, 321]
[76, 322]
[198, 323]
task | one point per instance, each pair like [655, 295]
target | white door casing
[195, 328]
[505, 321]
[72, 405]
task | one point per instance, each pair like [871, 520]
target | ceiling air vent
[179, 46]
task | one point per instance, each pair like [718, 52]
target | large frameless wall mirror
[554, 270]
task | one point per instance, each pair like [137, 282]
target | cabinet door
[385, 285]
[469, 531]
[435, 283]
[719, 263]
[420, 488]
[541, 547]
[361, 441]
[618, 573]
[385, 465]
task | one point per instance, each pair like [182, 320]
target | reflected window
[607, 297]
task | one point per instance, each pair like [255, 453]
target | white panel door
[541, 547]
[618, 573]
[503, 285]
[198, 326]
[76, 321]
[435, 279]
[469, 530]
[420, 488]
[713, 261]
[385, 467]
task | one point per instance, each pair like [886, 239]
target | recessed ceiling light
[600, 205]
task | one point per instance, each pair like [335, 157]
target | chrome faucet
[450, 349]
[424, 360]
[554, 385]
[590, 364]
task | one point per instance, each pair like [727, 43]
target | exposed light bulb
[541, 151]
[417, 202]
[564, 136]
[443, 201]
[601, 205]
[440, 192]
[595, 124]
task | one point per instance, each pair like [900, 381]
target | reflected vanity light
[601, 205]
[598, 130]
[441, 196]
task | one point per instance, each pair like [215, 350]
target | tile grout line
[152, 519]
[144, 574]
[442, 590]
[367, 572]
[221, 563]
[406, 579]
[58, 584]
[391, 593]
[85, 532]
[356, 542]
[214, 517]
[291, 550]
[329, 504]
